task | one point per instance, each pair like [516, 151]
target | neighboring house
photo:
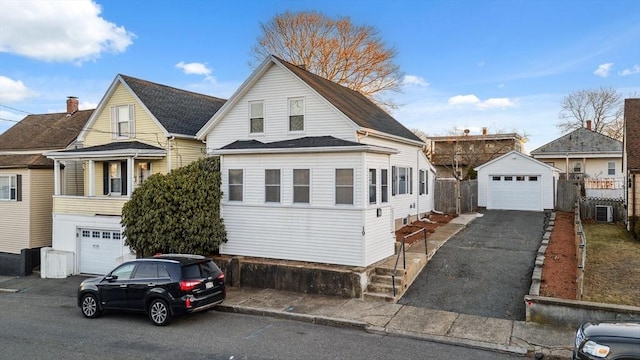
[632, 163]
[586, 155]
[313, 171]
[454, 156]
[26, 183]
[139, 128]
[516, 181]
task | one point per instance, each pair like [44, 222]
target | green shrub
[178, 212]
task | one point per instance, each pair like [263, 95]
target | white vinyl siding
[275, 88]
[516, 182]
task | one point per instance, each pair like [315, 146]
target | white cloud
[500, 103]
[59, 31]
[409, 80]
[490, 103]
[195, 68]
[634, 70]
[14, 90]
[603, 70]
[463, 99]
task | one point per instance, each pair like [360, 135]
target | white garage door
[515, 192]
[99, 250]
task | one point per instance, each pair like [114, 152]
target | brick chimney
[72, 105]
[484, 131]
[588, 124]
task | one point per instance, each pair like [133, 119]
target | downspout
[169, 162]
[419, 185]
[633, 205]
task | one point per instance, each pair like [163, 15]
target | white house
[587, 155]
[313, 171]
[516, 181]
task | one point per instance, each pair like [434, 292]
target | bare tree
[350, 55]
[602, 106]
[424, 137]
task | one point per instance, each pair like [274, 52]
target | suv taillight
[188, 285]
[220, 276]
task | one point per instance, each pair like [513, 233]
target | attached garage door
[99, 250]
[515, 192]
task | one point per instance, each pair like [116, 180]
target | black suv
[162, 286]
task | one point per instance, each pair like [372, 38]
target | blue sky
[505, 65]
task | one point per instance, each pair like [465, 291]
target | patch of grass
[612, 269]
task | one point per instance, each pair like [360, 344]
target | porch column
[92, 178]
[130, 176]
[56, 177]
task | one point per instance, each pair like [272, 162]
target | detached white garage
[516, 181]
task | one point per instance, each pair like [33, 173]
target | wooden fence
[568, 194]
[446, 196]
[588, 208]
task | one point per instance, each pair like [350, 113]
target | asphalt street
[36, 326]
[483, 270]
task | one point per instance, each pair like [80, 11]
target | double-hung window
[114, 178]
[384, 186]
[256, 117]
[144, 171]
[423, 182]
[122, 120]
[272, 185]
[235, 184]
[296, 114]
[301, 186]
[372, 186]
[402, 180]
[10, 187]
[344, 186]
[611, 168]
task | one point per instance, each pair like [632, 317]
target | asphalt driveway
[485, 269]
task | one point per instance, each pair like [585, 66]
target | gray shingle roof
[44, 131]
[353, 104]
[304, 142]
[581, 140]
[179, 111]
[114, 146]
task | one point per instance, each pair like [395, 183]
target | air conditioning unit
[604, 213]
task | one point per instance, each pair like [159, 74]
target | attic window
[256, 117]
[122, 120]
[296, 114]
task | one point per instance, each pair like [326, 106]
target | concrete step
[387, 279]
[383, 288]
[389, 271]
[380, 297]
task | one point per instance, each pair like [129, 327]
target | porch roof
[301, 145]
[111, 150]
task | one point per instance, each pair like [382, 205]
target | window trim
[115, 121]
[344, 186]
[373, 187]
[251, 118]
[611, 170]
[239, 185]
[299, 187]
[384, 186]
[290, 116]
[15, 187]
[272, 186]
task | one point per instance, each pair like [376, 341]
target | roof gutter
[371, 132]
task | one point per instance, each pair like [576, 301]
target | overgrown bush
[178, 212]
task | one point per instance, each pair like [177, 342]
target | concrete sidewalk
[517, 337]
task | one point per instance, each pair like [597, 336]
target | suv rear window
[200, 270]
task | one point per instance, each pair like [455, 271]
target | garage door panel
[99, 250]
[515, 192]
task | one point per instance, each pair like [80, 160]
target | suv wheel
[159, 312]
[90, 306]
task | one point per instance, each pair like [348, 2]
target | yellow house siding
[41, 203]
[15, 218]
[89, 206]
[184, 152]
[146, 129]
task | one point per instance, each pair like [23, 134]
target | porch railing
[404, 257]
